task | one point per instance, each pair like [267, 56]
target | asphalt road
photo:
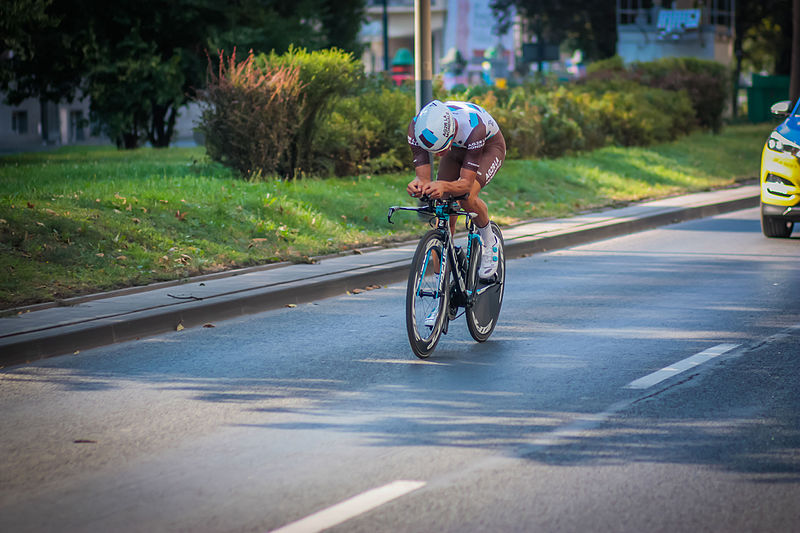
[320, 416]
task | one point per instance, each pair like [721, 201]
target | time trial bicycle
[444, 278]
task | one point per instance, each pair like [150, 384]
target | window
[19, 122]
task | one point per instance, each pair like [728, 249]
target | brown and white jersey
[475, 127]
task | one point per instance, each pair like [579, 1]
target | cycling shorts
[494, 153]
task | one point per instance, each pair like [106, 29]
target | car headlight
[779, 143]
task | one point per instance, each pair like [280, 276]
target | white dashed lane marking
[367, 501]
[357, 505]
[681, 366]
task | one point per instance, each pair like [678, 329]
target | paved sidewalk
[97, 320]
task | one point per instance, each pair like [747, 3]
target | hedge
[347, 123]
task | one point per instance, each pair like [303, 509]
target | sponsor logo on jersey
[493, 168]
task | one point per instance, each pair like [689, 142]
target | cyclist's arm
[422, 166]
[461, 186]
[469, 168]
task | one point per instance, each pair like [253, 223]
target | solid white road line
[680, 366]
[351, 508]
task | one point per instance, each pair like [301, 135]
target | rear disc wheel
[482, 315]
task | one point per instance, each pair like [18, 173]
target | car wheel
[776, 227]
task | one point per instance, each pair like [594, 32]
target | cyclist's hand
[434, 190]
[415, 188]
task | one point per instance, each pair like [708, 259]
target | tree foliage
[588, 26]
[763, 35]
[42, 50]
[139, 62]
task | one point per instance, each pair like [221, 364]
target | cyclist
[472, 149]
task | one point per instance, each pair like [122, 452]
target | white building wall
[62, 127]
[637, 45]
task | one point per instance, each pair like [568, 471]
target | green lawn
[82, 220]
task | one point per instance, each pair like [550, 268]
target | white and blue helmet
[434, 127]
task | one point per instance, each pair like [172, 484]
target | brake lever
[391, 212]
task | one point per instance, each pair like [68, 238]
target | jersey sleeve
[421, 156]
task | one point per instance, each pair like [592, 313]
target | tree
[139, 62]
[265, 26]
[145, 62]
[588, 26]
[762, 39]
[38, 43]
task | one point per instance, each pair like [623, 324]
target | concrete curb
[46, 341]
[624, 227]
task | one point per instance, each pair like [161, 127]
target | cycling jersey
[475, 127]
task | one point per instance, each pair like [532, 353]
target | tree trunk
[162, 126]
[129, 140]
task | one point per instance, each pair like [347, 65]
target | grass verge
[82, 220]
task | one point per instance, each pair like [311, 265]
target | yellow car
[780, 174]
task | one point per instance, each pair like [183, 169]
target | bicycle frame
[442, 210]
[441, 281]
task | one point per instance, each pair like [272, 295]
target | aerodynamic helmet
[434, 127]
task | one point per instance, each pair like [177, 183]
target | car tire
[776, 227]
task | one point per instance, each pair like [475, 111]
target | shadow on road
[343, 366]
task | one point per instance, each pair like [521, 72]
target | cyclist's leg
[494, 154]
[449, 170]
[491, 160]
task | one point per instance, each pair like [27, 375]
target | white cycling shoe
[489, 260]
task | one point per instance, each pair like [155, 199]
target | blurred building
[651, 29]
[33, 124]
[464, 39]
[400, 18]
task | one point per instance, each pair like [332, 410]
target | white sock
[487, 235]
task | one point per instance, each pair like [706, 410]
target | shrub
[612, 64]
[705, 82]
[315, 113]
[546, 122]
[325, 75]
[366, 133]
[249, 115]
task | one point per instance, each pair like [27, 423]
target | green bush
[544, 122]
[612, 64]
[326, 75]
[705, 82]
[249, 115]
[315, 113]
[366, 133]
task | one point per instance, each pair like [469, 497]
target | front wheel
[488, 294]
[775, 227]
[427, 297]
